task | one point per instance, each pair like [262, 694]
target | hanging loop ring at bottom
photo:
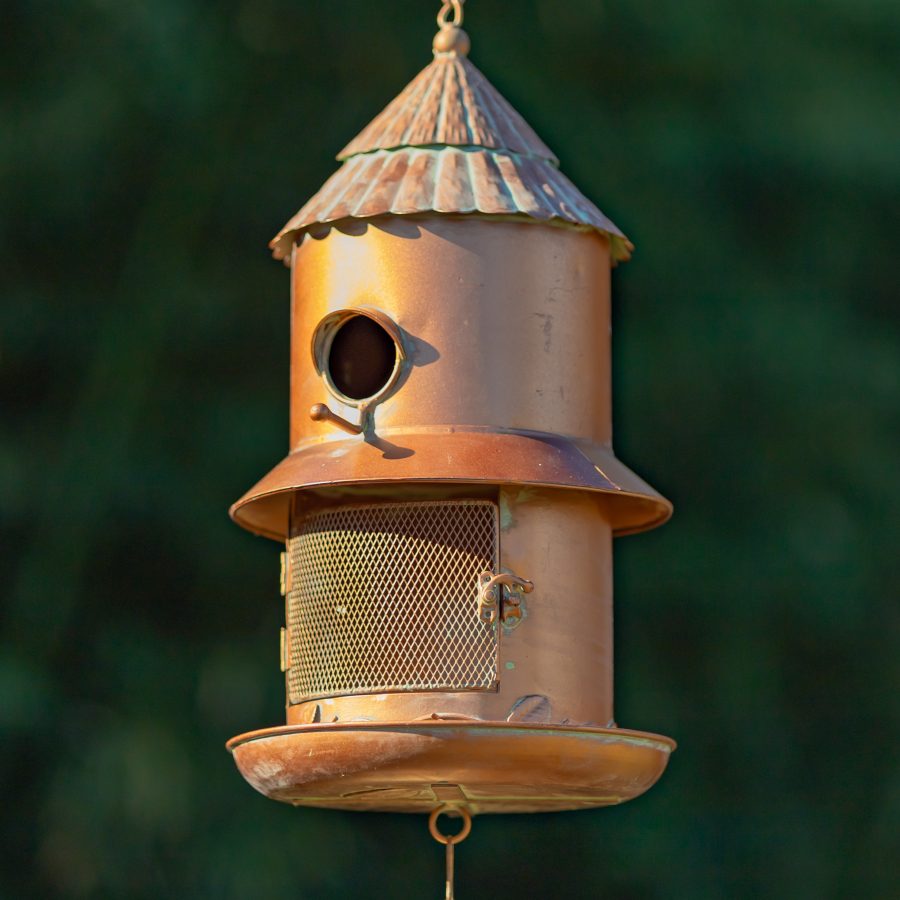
[460, 811]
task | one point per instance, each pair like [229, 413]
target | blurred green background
[148, 150]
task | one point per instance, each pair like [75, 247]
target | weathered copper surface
[505, 326]
[532, 459]
[450, 180]
[449, 102]
[415, 767]
[480, 278]
[554, 667]
[505, 373]
[450, 143]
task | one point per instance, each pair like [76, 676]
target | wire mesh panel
[384, 598]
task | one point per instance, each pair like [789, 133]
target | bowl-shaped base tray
[416, 767]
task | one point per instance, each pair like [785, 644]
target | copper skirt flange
[486, 767]
[529, 459]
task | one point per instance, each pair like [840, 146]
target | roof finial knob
[451, 38]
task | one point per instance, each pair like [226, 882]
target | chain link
[450, 841]
[454, 6]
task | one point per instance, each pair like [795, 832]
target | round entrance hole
[362, 358]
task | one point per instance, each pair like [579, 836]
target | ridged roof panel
[449, 180]
[449, 103]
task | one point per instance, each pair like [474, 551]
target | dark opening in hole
[361, 358]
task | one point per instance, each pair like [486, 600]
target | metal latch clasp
[500, 596]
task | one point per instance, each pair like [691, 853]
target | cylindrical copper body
[507, 324]
[553, 667]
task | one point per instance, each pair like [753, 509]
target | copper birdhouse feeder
[451, 494]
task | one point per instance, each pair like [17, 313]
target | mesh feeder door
[383, 598]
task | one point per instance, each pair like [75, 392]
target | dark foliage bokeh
[148, 150]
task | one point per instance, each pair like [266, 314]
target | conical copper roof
[449, 103]
[449, 143]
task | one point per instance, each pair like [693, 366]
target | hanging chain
[449, 892]
[450, 840]
[456, 6]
